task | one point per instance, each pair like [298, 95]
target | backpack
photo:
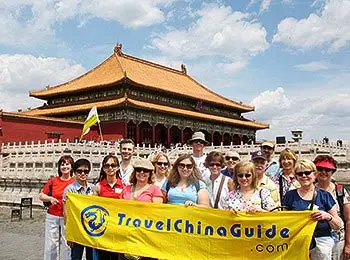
[48, 204]
[340, 192]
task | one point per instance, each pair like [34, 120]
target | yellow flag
[90, 121]
[186, 233]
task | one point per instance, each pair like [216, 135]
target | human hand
[346, 252]
[189, 203]
[320, 215]
[54, 201]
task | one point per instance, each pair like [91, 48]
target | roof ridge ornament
[118, 49]
[183, 69]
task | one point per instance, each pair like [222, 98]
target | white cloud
[25, 22]
[313, 66]
[318, 115]
[219, 32]
[264, 5]
[20, 73]
[331, 27]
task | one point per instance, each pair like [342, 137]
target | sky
[287, 58]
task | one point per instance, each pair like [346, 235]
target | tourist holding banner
[162, 165]
[51, 195]
[216, 182]
[110, 185]
[184, 184]
[141, 189]
[81, 169]
[247, 196]
[308, 197]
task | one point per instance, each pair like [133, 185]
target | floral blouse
[288, 183]
[260, 200]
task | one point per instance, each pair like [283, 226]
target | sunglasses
[267, 147]
[187, 166]
[113, 165]
[162, 164]
[142, 170]
[199, 142]
[321, 169]
[214, 164]
[81, 171]
[241, 175]
[300, 174]
[227, 158]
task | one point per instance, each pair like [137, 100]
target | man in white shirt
[198, 143]
[127, 150]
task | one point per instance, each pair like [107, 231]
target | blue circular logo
[94, 219]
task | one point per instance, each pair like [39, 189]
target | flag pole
[99, 127]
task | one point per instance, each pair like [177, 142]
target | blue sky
[288, 58]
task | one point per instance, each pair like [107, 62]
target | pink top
[145, 196]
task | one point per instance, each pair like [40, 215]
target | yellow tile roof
[146, 105]
[21, 115]
[119, 67]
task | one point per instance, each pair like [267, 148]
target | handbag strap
[313, 199]
[219, 192]
[132, 195]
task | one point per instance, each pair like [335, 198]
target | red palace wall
[22, 130]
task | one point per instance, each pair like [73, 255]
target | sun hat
[144, 164]
[198, 136]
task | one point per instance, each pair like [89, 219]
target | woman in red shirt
[55, 241]
[110, 185]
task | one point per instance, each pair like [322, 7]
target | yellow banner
[176, 232]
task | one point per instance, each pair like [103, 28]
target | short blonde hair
[155, 160]
[288, 153]
[306, 164]
[247, 167]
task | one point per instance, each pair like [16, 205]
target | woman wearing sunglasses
[247, 196]
[309, 197]
[216, 182]
[110, 185]
[162, 166]
[184, 185]
[141, 188]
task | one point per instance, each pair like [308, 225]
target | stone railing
[25, 167]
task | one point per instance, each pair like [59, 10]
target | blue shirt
[273, 169]
[323, 201]
[176, 196]
[75, 187]
[226, 173]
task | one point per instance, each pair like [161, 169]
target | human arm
[331, 216]
[43, 196]
[230, 185]
[157, 195]
[203, 198]
[96, 191]
[346, 250]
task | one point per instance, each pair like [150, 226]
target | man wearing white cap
[198, 142]
[273, 167]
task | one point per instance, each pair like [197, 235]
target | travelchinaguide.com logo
[94, 219]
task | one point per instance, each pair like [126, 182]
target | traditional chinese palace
[137, 99]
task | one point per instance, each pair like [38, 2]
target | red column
[125, 135]
[182, 136]
[153, 134]
[169, 137]
[137, 133]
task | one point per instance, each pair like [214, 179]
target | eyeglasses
[246, 175]
[142, 170]
[321, 169]
[307, 173]
[187, 166]
[198, 142]
[215, 164]
[162, 164]
[265, 147]
[81, 171]
[113, 165]
[227, 158]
